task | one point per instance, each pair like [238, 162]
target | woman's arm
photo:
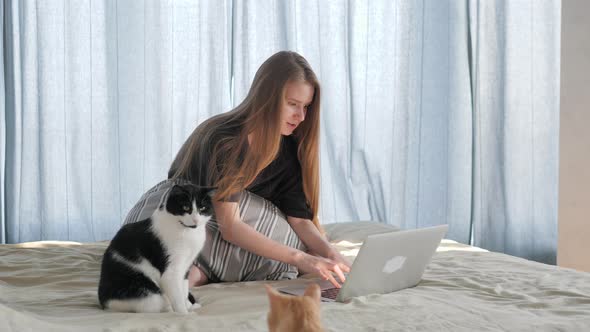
[311, 236]
[316, 242]
[242, 235]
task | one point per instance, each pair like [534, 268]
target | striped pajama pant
[222, 261]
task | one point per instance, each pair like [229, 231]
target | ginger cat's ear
[313, 291]
[273, 295]
[270, 290]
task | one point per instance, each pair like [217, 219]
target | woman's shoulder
[215, 129]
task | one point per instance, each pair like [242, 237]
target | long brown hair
[233, 163]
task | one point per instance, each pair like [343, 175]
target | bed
[51, 286]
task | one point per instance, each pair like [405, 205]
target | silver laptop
[385, 263]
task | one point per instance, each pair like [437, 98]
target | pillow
[221, 260]
[355, 231]
[151, 200]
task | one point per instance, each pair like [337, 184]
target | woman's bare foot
[196, 277]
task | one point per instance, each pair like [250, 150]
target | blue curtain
[515, 71]
[3, 142]
[432, 112]
[100, 96]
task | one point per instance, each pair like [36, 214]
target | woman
[263, 153]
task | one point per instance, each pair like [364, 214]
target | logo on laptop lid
[394, 264]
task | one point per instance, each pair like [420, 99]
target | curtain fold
[516, 126]
[396, 104]
[3, 136]
[100, 96]
[432, 111]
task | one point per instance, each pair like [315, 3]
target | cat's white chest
[182, 244]
[186, 245]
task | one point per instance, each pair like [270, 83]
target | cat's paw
[192, 306]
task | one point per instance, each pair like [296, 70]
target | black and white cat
[145, 267]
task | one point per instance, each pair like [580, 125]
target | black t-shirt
[280, 182]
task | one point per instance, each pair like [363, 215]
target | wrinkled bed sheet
[51, 286]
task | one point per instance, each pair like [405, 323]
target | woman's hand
[342, 262]
[321, 266]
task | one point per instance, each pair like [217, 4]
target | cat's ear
[313, 291]
[173, 192]
[207, 192]
[179, 190]
[200, 192]
[271, 291]
[176, 189]
[273, 295]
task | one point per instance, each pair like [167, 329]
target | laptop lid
[385, 263]
[391, 261]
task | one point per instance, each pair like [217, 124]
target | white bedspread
[51, 286]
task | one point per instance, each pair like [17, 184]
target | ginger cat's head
[294, 313]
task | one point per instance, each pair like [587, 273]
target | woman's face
[298, 97]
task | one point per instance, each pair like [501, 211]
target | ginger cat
[290, 313]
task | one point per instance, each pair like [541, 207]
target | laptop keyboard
[330, 293]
